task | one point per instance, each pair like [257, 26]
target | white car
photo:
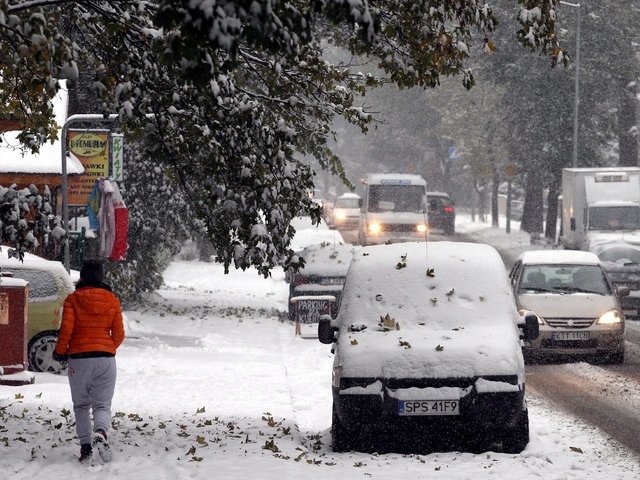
[427, 347]
[346, 211]
[577, 308]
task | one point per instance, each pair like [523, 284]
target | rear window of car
[437, 202]
[42, 286]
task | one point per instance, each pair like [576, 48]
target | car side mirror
[531, 327]
[623, 292]
[326, 331]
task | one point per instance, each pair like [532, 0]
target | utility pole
[577, 84]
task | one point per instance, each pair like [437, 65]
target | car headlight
[421, 227]
[609, 318]
[339, 214]
[374, 227]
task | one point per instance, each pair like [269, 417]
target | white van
[393, 209]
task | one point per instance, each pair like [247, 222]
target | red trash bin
[14, 311]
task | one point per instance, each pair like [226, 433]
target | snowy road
[606, 396]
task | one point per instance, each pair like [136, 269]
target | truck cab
[393, 209]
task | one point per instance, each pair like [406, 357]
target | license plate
[570, 336]
[428, 407]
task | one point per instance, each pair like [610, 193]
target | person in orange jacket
[91, 331]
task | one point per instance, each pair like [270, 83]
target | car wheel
[40, 353]
[342, 440]
[516, 439]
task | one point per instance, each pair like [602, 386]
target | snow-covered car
[621, 260]
[325, 268]
[577, 308]
[49, 285]
[345, 212]
[427, 346]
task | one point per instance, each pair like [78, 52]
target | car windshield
[396, 198]
[563, 279]
[347, 203]
[620, 255]
[614, 218]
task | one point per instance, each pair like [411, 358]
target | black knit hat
[91, 271]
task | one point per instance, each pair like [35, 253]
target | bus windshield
[396, 198]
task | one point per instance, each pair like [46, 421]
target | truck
[599, 200]
[394, 209]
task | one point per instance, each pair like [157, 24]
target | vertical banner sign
[91, 148]
[117, 156]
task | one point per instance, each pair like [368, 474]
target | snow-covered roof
[48, 161]
[559, 256]
[449, 312]
[327, 259]
[349, 195]
[34, 262]
[376, 178]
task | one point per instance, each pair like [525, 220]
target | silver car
[578, 309]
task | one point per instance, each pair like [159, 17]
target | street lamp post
[577, 83]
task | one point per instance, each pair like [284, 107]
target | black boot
[85, 453]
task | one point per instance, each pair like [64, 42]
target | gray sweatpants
[92, 382]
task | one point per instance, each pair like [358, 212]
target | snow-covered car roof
[349, 195]
[436, 310]
[327, 259]
[34, 262]
[559, 256]
[604, 238]
[437, 194]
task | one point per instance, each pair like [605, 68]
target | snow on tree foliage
[24, 218]
[231, 97]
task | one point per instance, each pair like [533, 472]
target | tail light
[448, 209]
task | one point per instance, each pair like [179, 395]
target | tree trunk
[628, 148]
[532, 214]
[494, 197]
[550, 230]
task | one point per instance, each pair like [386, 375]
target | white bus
[393, 209]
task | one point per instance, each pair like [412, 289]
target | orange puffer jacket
[91, 322]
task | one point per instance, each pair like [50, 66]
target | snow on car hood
[449, 312]
[575, 305]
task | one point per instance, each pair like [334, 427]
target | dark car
[441, 212]
[621, 262]
[326, 266]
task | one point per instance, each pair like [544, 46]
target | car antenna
[426, 233]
